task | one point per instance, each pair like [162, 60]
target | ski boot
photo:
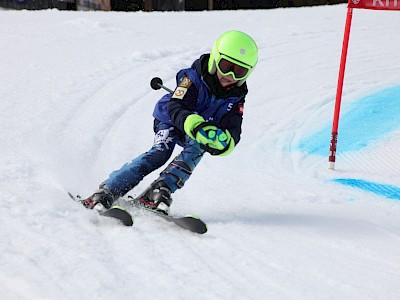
[157, 197]
[101, 200]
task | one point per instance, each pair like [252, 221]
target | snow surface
[76, 104]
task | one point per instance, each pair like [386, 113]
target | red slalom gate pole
[339, 90]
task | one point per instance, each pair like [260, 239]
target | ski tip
[203, 227]
[75, 198]
[118, 207]
[201, 230]
[119, 213]
[129, 222]
[193, 217]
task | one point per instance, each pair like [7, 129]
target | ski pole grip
[156, 83]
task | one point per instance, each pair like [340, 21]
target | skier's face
[225, 80]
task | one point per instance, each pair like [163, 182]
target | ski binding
[116, 212]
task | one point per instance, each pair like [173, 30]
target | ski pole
[156, 84]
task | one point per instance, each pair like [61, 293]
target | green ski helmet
[234, 53]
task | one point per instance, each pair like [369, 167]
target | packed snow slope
[75, 104]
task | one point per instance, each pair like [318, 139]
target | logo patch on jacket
[182, 88]
[180, 92]
[186, 82]
[241, 108]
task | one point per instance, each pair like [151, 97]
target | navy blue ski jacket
[204, 96]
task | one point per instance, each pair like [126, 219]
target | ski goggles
[228, 66]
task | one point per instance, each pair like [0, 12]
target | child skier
[204, 114]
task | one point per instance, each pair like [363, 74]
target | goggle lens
[225, 66]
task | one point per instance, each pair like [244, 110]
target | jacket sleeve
[182, 102]
[233, 121]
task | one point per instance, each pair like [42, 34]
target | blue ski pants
[175, 174]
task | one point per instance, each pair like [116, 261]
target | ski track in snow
[76, 104]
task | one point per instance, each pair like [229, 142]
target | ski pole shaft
[156, 84]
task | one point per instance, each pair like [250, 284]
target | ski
[188, 222]
[116, 212]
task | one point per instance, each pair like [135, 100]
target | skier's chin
[226, 81]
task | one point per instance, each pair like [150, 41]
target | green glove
[198, 129]
[229, 148]
[213, 139]
[219, 142]
[192, 121]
